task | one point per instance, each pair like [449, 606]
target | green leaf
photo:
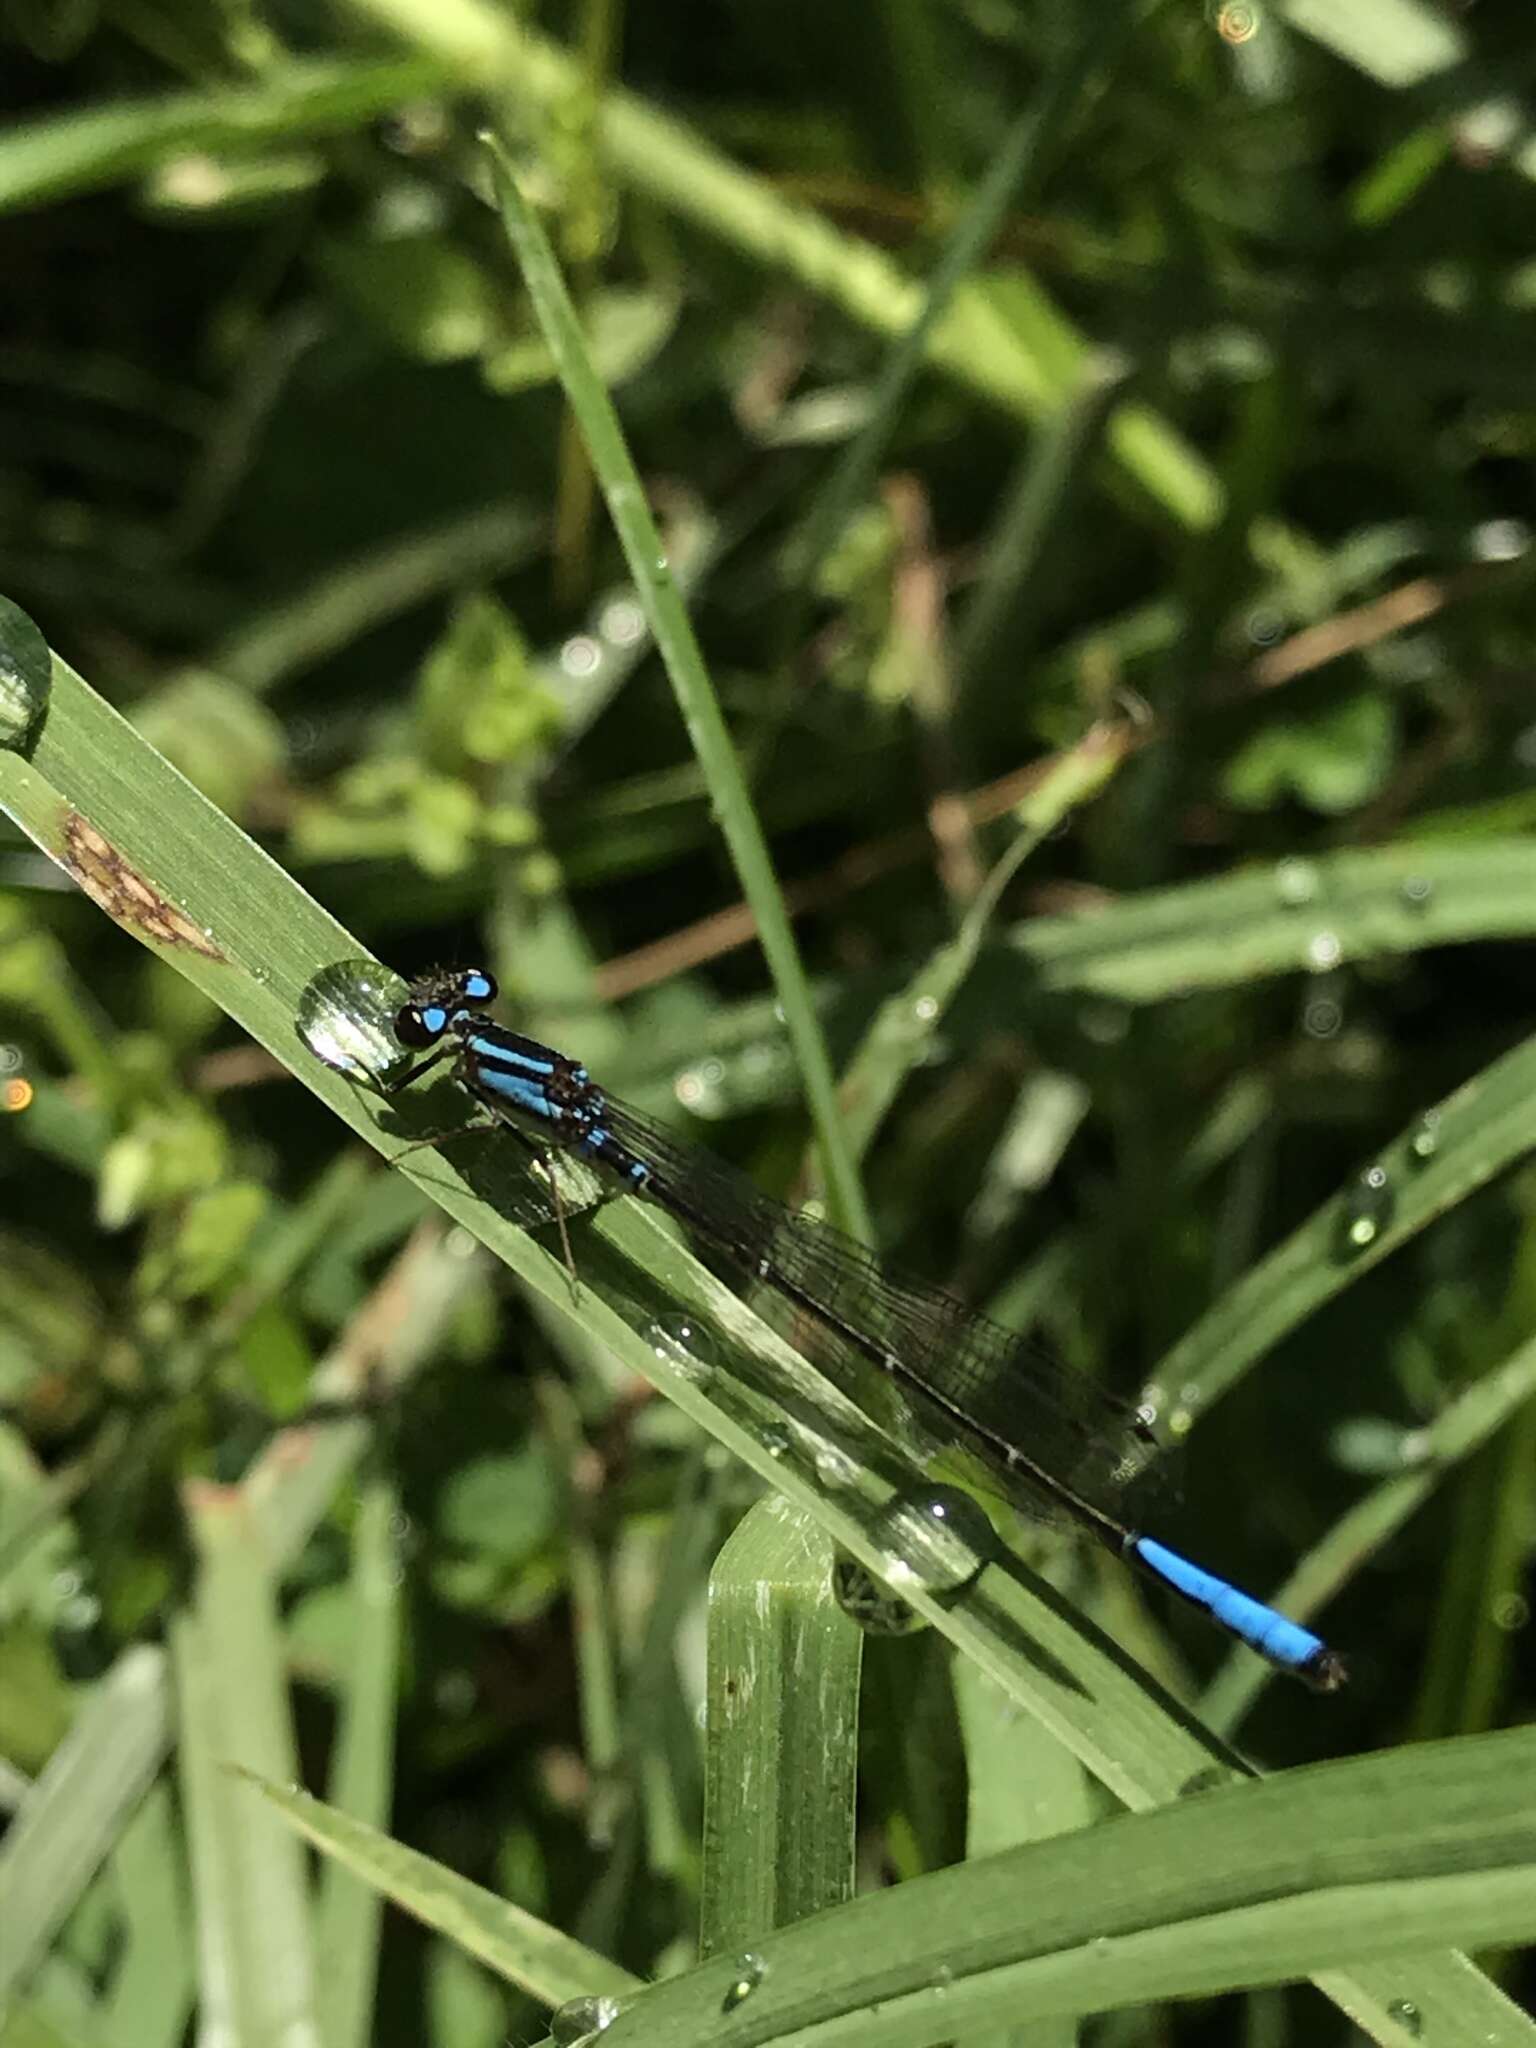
[1334, 761]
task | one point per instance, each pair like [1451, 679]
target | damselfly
[1057, 1444]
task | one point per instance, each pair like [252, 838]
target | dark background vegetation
[285, 474]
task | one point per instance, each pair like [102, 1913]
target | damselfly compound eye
[415, 1027]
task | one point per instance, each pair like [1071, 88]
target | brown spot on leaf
[123, 893]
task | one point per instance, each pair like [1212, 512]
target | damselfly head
[436, 999]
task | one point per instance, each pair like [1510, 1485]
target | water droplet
[875, 1606]
[662, 565]
[750, 1972]
[1323, 1017]
[1424, 1140]
[1296, 883]
[1324, 951]
[1104, 1023]
[1180, 1422]
[1406, 2014]
[1264, 626]
[1417, 891]
[580, 656]
[26, 674]
[1500, 540]
[775, 1439]
[346, 1017]
[1238, 21]
[699, 1090]
[1511, 1612]
[935, 1538]
[835, 1467]
[621, 622]
[1366, 1210]
[683, 1341]
[84, 1611]
[579, 2017]
[925, 1009]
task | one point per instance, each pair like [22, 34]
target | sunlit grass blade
[524, 1950]
[782, 1740]
[658, 594]
[76, 1810]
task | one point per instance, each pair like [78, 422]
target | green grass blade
[274, 641]
[74, 1813]
[1396, 42]
[1018, 160]
[1296, 917]
[1455, 1147]
[782, 1740]
[150, 1999]
[250, 1882]
[349, 1914]
[524, 1950]
[1463, 1427]
[908, 1025]
[672, 629]
[67, 154]
[1034, 506]
[1246, 1885]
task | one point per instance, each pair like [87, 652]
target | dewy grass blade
[1449, 1150]
[1247, 1884]
[515, 1944]
[782, 1739]
[1432, 1455]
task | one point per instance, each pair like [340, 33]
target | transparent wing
[990, 1389]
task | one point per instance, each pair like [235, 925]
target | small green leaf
[1333, 762]
[480, 695]
[208, 1242]
[506, 1504]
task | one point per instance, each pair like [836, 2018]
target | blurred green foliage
[1216, 458]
